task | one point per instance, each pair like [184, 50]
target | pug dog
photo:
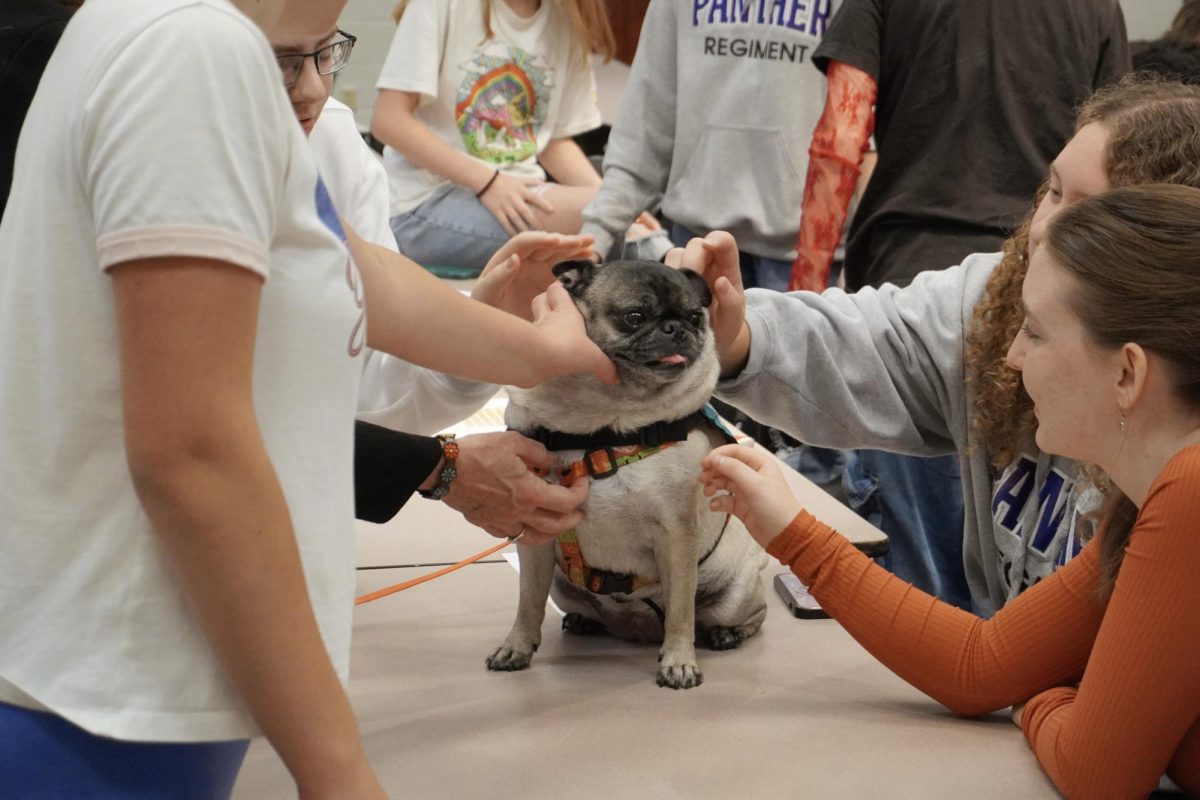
[650, 562]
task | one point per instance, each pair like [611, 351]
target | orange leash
[399, 587]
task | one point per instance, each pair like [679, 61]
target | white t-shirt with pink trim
[161, 129]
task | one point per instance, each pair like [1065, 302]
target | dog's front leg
[537, 572]
[677, 569]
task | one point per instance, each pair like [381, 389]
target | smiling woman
[1122, 273]
[1103, 652]
[1060, 361]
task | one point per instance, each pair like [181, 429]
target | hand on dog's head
[650, 319]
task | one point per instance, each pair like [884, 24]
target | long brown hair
[589, 21]
[1136, 254]
[1153, 137]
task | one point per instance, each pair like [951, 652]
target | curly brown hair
[589, 20]
[1153, 137]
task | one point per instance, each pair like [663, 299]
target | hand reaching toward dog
[521, 269]
[497, 490]
[572, 352]
[715, 257]
[757, 493]
[515, 203]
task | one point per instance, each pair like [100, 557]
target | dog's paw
[507, 658]
[679, 676]
[579, 625]
[727, 638]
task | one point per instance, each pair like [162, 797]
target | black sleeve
[854, 37]
[24, 52]
[1115, 59]
[388, 468]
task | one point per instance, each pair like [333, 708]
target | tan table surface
[799, 711]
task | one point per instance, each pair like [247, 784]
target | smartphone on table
[796, 597]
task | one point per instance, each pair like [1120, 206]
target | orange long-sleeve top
[1111, 684]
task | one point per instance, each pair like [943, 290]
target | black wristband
[488, 185]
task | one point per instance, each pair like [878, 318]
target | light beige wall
[371, 22]
[1147, 19]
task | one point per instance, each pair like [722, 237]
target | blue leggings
[44, 757]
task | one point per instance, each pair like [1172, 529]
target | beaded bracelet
[449, 471]
[488, 185]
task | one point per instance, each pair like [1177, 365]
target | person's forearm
[970, 665]
[395, 123]
[416, 316]
[220, 513]
[838, 144]
[566, 163]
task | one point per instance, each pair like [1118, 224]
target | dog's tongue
[674, 358]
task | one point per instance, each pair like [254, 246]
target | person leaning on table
[1102, 658]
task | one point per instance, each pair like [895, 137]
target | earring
[1121, 410]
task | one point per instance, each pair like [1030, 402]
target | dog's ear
[699, 285]
[575, 275]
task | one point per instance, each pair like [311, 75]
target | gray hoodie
[883, 369]
[717, 117]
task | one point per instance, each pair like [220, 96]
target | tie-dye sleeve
[835, 156]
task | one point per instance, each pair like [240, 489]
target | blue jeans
[452, 228]
[758, 272]
[44, 757]
[918, 503]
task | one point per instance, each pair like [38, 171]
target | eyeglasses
[328, 60]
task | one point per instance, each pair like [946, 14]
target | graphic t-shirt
[498, 99]
[717, 118]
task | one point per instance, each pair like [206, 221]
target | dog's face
[650, 319]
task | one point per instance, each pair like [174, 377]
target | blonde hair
[1153, 137]
[589, 22]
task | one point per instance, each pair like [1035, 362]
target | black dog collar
[676, 430]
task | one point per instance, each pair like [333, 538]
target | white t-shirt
[161, 128]
[394, 393]
[499, 100]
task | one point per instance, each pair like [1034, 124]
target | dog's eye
[696, 318]
[634, 318]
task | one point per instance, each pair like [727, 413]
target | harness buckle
[601, 581]
[600, 468]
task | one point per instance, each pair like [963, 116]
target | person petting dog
[400, 404]
[1100, 659]
[922, 370]
[180, 352]
[954, 173]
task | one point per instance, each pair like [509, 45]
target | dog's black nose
[670, 327]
